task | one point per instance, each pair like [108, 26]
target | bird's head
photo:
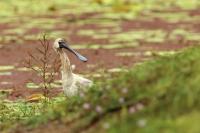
[60, 44]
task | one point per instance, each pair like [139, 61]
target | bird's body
[71, 82]
[77, 84]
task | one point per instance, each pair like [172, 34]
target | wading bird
[71, 82]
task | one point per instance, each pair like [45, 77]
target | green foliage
[11, 112]
[163, 93]
[156, 96]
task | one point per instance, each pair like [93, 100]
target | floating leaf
[116, 70]
[6, 68]
[23, 69]
[159, 53]
[32, 85]
[5, 73]
[124, 54]
[5, 83]
[6, 91]
[35, 98]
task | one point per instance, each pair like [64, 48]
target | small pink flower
[142, 123]
[121, 100]
[86, 106]
[125, 90]
[139, 106]
[132, 110]
[99, 109]
[82, 95]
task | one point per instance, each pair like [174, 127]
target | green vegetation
[112, 12]
[161, 95]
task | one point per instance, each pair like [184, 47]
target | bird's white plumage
[72, 83]
[77, 83]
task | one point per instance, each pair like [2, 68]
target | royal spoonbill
[71, 82]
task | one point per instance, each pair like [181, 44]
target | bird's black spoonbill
[71, 82]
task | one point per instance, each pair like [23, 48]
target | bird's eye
[60, 42]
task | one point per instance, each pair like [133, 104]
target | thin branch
[42, 61]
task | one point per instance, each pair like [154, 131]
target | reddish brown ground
[14, 53]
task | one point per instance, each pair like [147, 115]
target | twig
[40, 63]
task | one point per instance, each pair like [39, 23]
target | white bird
[71, 82]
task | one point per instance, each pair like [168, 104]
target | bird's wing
[81, 81]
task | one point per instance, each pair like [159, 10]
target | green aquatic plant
[158, 95]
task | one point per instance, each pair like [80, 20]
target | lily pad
[6, 68]
[128, 54]
[117, 70]
[159, 53]
[5, 73]
[32, 86]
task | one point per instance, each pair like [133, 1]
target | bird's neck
[66, 66]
